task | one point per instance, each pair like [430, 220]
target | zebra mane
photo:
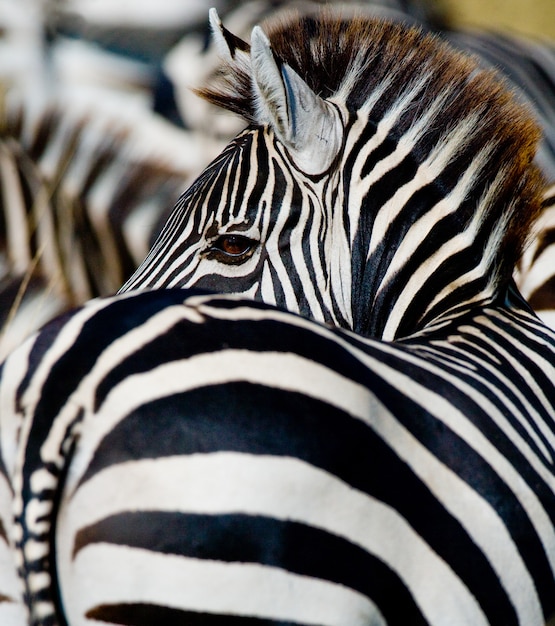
[354, 58]
[373, 64]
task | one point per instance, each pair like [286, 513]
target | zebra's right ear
[307, 125]
[230, 47]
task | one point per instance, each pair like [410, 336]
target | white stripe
[298, 235]
[17, 223]
[460, 242]
[10, 585]
[266, 288]
[488, 266]
[547, 316]
[12, 614]
[106, 574]
[406, 143]
[539, 272]
[11, 419]
[65, 339]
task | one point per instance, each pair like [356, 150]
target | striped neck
[426, 234]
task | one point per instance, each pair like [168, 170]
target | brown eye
[232, 248]
[233, 245]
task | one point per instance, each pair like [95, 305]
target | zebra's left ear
[305, 123]
[230, 47]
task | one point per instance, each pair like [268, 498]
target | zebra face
[255, 224]
[263, 219]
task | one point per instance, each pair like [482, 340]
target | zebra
[534, 274]
[95, 263]
[359, 429]
[81, 201]
[218, 237]
[526, 64]
[211, 459]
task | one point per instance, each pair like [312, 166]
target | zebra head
[383, 180]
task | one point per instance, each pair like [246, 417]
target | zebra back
[177, 457]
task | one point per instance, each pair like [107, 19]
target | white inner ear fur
[308, 126]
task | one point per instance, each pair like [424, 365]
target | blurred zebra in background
[535, 273]
[88, 169]
[79, 207]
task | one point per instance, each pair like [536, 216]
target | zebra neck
[435, 246]
[419, 293]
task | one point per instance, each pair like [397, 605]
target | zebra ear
[304, 122]
[230, 47]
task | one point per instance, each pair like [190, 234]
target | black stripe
[542, 297]
[289, 545]
[155, 615]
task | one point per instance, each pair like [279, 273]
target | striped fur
[206, 459]
[79, 208]
[435, 156]
[527, 65]
[535, 275]
[174, 457]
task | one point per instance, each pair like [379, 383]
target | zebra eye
[232, 248]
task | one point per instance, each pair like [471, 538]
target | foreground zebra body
[181, 457]
[269, 467]
[273, 468]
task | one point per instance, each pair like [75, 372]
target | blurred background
[125, 55]
[534, 18]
